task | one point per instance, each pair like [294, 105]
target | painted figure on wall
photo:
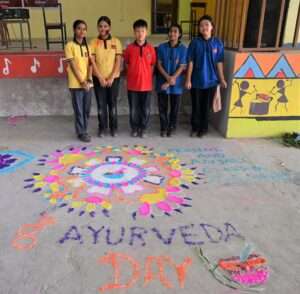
[243, 87]
[280, 89]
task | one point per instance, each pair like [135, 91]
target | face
[103, 28]
[140, 34]
[174, 34]
[206, 28]
[80, 31]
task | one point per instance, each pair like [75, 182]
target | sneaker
[84, 138]
[163, 134]
[134, 133]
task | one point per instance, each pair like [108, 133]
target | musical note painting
[33, 65]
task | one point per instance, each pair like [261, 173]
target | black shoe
[143, 134]
[134, 133]
[193, 134]
[163, 134]
[114, 133]
[202, 133]
[170, 132]
[100, 133]
[84, 138]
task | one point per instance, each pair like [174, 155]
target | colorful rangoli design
[89, 180]
[11, 160]
[248, 272]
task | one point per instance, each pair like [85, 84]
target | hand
[172, 81]
[85, 85]
[188, 85]
[102, 82]
[223, 84]
[165, 86]
[109, 81]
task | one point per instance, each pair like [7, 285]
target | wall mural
[265, 93]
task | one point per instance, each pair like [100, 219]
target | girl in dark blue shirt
[170, 81]
[204, 74]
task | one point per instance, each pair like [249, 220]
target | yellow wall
[291, 21]
[122, 13]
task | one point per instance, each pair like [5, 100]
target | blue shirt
[171, 58]
[205, 54]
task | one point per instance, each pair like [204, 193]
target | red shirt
[140, 61]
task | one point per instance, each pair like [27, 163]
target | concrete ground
[247, 192]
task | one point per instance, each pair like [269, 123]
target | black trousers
[168, 120]
[107, 104]
[81, 101]
[139, 109]
[201, 105]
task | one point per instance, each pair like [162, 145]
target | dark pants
[201, 105]
[168, 121]
[139, 109]
[107, 104]
[81, 101]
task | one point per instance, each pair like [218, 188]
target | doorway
[164, 13]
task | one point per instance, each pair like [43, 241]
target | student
[80, 78]
[204, 73]
[107, 53]
[170, 82]
[140, 59]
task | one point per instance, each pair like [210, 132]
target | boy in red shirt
[140, 58]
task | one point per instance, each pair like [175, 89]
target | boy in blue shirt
[204, 74]
[169, 82]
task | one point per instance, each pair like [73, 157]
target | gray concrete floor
[252, 184]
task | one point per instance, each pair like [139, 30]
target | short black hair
[105, 19]
[210, 19]
[140, 23]
[176, 25]
[207, 17]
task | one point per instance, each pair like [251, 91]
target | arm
[77, 74]
[179, 71]
[188, 82]
[115, 71]
[97, 73]
[220, 68]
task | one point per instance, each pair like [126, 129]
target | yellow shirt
[105, 52]
[78, 53]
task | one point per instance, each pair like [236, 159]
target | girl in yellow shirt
[79, 70]
[107, 52]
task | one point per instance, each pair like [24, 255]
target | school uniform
[140, 61]
[105, 52]
[171, 58]
[205, 54]
[81, 99]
